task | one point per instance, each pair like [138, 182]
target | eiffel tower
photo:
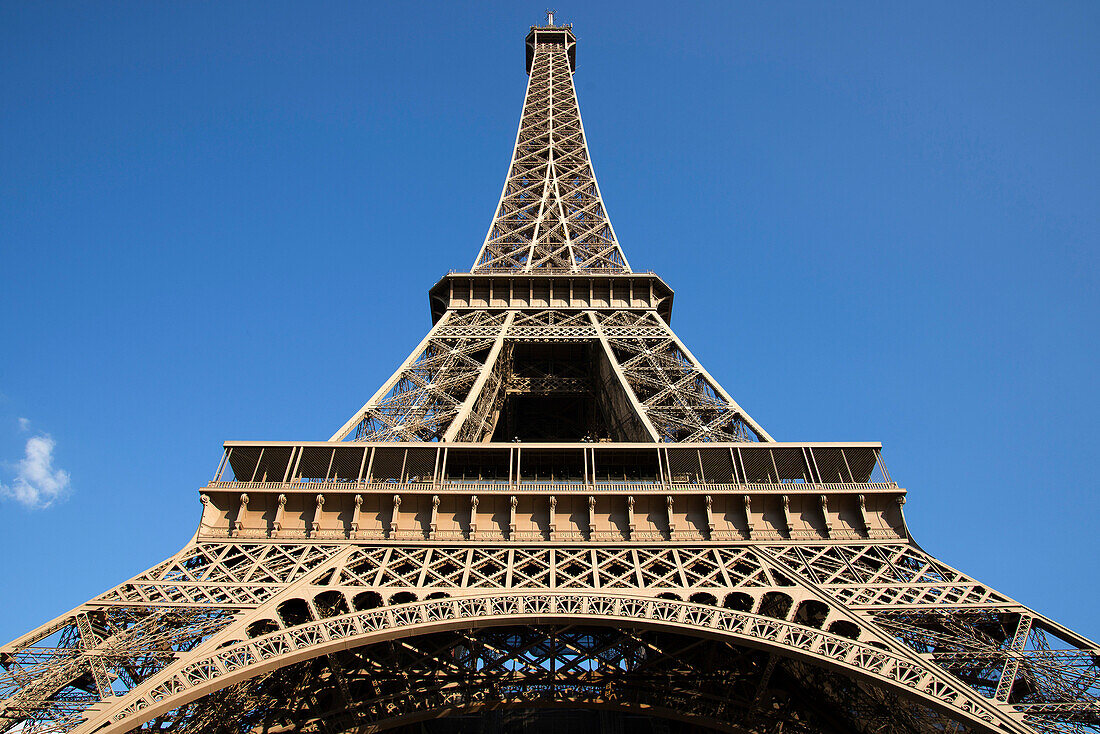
[551, 515]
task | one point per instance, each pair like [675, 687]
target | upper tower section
[551, 217]
[551, 34]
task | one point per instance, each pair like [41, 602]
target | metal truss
[452, 385]
[425, 394]
[551, 220]
[551, 215]
[854, 627]
[551, 325]
[49, 678]
[678, 397]
[720, 684]
[743, 588]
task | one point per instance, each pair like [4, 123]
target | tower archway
[714, 667]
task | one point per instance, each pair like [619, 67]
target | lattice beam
[551, 216]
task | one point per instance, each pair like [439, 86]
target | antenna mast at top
[550, 17]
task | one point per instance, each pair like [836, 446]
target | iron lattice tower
[551, 510]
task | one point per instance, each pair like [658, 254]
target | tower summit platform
[552, 35]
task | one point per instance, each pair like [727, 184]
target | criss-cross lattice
[551, 216]
[423, 397]
[681, 401]
[551, 325]
[813, 597]
[528, 667]
[884, 575]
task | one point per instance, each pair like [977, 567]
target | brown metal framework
[551, 506]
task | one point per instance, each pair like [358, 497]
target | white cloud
[24, 424]
[37, 484]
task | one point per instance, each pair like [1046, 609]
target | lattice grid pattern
[681, 401]
[551, 215]
[426, 393]
[677, 676]
[887, 597]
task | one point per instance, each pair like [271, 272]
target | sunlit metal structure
[550, 516]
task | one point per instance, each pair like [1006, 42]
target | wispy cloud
[37, 484]
[24, 424]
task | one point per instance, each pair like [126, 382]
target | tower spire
[551, 216]
[551, 336]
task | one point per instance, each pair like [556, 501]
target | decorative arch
[896, 671]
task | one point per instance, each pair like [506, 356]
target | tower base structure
[725, 586]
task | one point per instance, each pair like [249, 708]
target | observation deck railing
[490, 467]
[352, 486]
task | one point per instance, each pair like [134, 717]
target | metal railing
[557, 486]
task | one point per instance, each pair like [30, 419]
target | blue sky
[220, 220]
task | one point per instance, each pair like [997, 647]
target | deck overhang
[558, 290]
[553, 492]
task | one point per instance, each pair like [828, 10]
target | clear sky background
[220, 220]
